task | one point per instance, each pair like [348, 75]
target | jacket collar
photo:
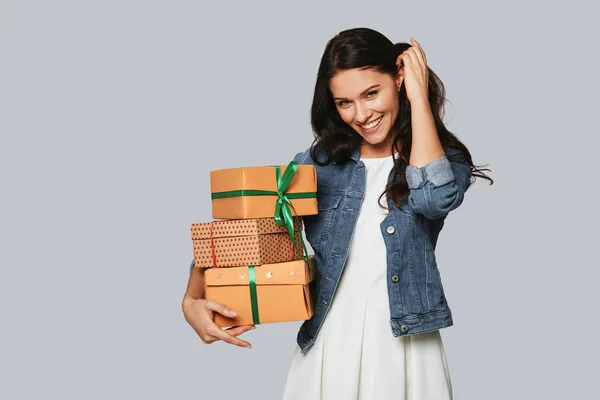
[356, 155]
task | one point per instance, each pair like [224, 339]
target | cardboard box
[233, 243]
[281, 292]
[243, 203]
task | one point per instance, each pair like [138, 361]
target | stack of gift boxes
[253, 254]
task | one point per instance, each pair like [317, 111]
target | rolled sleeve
[439, 186]
[438, 172]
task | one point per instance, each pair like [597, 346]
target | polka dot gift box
[257, 237]
[231, 243]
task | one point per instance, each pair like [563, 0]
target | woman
[388, 174]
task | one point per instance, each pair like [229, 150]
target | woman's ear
[400, 77]
[400, 73]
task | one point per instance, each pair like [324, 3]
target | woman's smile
[372, 126]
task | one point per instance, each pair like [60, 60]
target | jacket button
[395, 278]
[404, 328]
[391, 229]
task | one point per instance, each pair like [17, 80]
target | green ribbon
[253, 192]
[253, 296]
[283, 214]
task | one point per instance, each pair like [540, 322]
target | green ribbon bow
[283, 213]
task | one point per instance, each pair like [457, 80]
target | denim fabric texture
[416, 296]
[410, 232]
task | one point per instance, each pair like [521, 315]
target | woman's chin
[375, 140]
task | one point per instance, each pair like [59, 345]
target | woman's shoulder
[331, 176]
[302, 156]
[308, 156]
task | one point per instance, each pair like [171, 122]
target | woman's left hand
[416, 74]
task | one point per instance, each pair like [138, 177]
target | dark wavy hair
[366, 48]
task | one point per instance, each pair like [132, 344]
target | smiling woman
[388, 174]
[379, 301]
[371, 112]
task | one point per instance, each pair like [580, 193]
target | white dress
[355, 355]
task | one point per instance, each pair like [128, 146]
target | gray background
[114, 112]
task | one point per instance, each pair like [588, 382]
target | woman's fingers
[414, 54]
[225, 336]
[400, 59]
[210, 332]
[407, 57]
[220, 308]
[419, 51]
[410, 55]
[238, 330]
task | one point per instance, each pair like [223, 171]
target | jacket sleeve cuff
[438, 172]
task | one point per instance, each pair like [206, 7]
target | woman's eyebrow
[362, 93]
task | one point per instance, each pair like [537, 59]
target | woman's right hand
[199, 313]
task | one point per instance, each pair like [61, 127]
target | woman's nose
[362, 114]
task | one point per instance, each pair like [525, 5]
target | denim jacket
[416, 296]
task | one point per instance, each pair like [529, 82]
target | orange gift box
[280, 292]
[251, 192]
[233, 243]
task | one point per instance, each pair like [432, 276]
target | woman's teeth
[372, 124]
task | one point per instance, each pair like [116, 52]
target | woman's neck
[378, 151]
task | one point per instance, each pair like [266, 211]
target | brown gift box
[282, 292]
[244, 242]
[260, 178]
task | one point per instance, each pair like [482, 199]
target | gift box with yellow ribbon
[231, 243]
[264, 192]
[276, 292]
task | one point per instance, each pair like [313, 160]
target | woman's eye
[343, 103]
[372, 93]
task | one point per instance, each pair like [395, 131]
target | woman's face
[367, 100]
